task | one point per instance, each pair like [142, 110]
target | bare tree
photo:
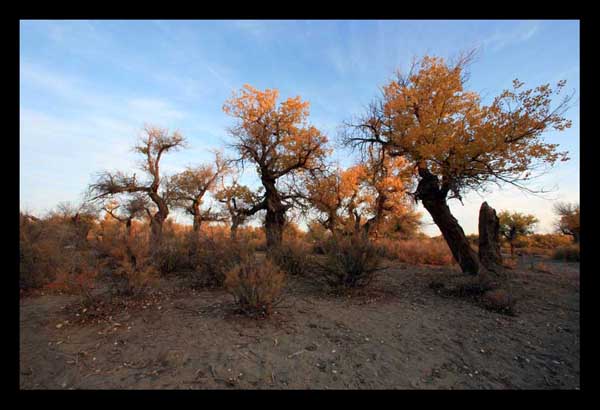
[190, 187]
[151, 146]
[240, 202]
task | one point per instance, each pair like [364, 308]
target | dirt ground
[400, 334]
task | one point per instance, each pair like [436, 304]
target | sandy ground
[400, 334]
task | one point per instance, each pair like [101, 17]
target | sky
[87, 88]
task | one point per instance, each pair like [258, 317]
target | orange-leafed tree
[386, 180]
[568, 219]
[279, 141]
[457, 143]
[515, 224]
[329, 193]
[152, 146]
[191, 186]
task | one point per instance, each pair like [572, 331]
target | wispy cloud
[504, 38]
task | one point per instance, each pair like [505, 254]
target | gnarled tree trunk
[275, 216]
[434, 201]
[157, 220]
[489, 238]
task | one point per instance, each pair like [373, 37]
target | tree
[151, 146]
[240, 202]
[515, 224]
[190, 186]
[568, 222]
[279, 141]
[126, 212]
[385, 179]
[328, 193]
[456, 143]
[81, 218]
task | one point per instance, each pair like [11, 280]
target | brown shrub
[255, 285]
[540, 267]
[543, 241]
[292, 256]
[50, 250]
[349, 262]
[499, 300]
[417, 251]
[214, 257]
[567, 253]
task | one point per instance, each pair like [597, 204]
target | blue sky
[88, 87]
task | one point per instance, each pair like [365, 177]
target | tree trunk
[275, 217]
[128, 229]
[233, 232]
[274, 223]
[512, 248]
[357, 218]
[434, 201]
[489, 238]
[156, 221]
[197, 222]
[156, 229]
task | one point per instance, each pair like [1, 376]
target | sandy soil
[400, 334]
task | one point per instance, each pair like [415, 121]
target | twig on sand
[297, 353]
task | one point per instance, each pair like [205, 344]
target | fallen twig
[297, 353]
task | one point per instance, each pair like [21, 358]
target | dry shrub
[540, 267]
[509, 263]
[214, 257]
[567, 253]
[175, 252]
[292, 256]
[533, 251]
[255, 285]
[543, 241]
[132, 271]
[349, 262]
[499, 300]
[51, 251]
[425, 251]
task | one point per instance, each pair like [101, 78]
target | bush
[255, 285]
[424, 251]
[175, 253]
[292, 257]
[567, 253]
[543, 241]
[214, 257]
[48, 252]
[349, 262]
[499, 300]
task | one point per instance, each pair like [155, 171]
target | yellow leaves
[276, 137]
[435, 121]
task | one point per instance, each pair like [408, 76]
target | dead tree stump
[489, 239]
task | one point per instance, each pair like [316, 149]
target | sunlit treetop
[276, 137]
[513, 224]
[428, 117]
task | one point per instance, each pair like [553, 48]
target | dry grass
[416, 251]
